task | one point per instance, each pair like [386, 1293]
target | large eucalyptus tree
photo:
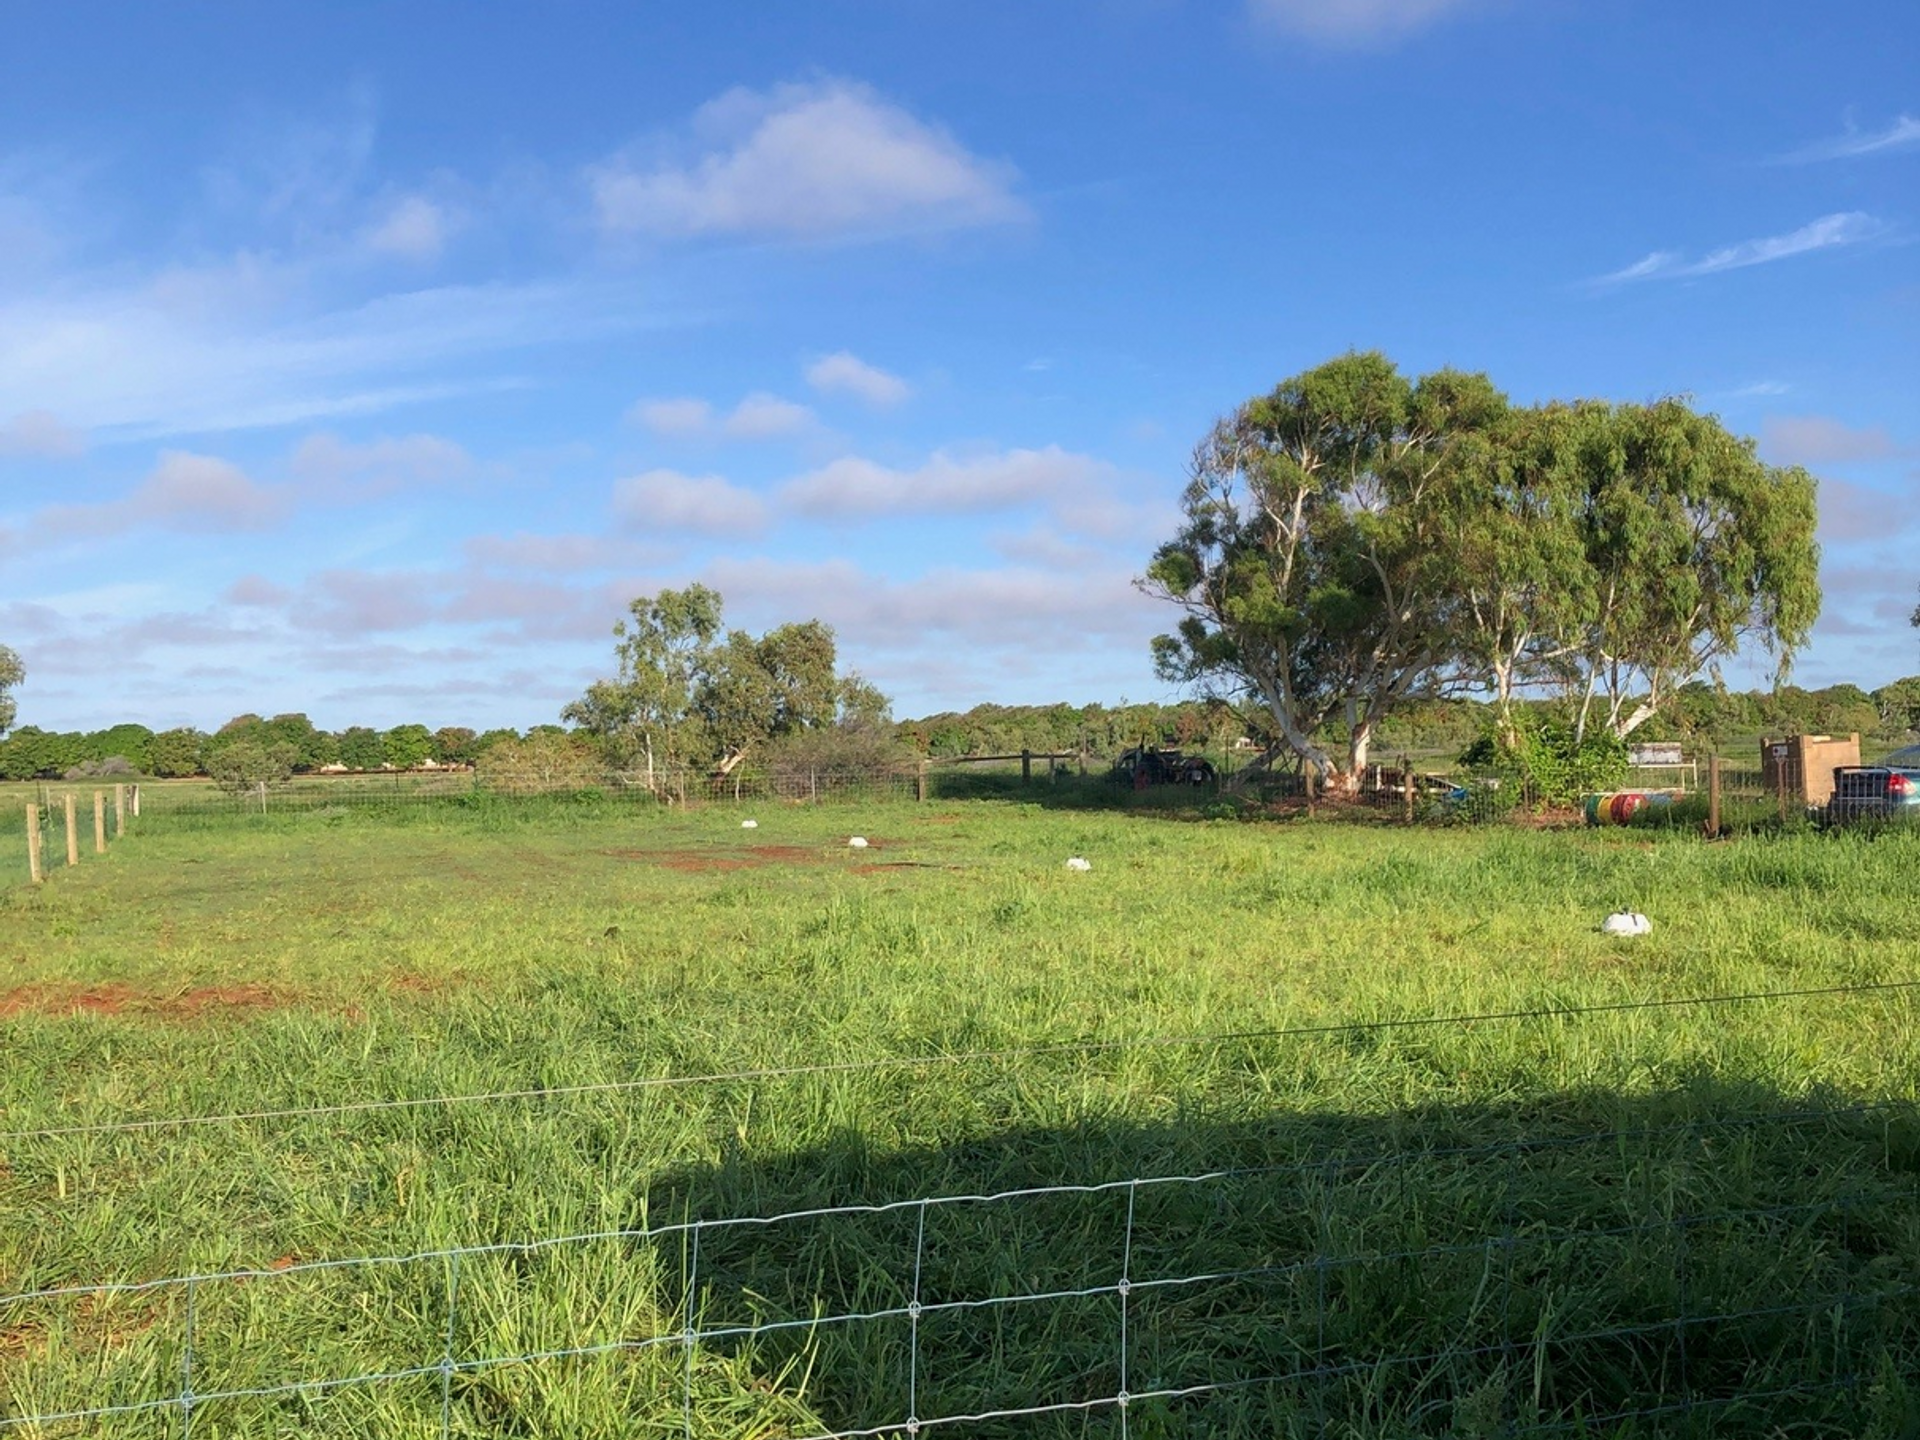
[1355, 539]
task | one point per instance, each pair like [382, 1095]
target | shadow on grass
[1085, 792]
[1722, 1260]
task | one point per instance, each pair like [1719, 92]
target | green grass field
[1703, 1216]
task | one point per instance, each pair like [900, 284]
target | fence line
[1865, 1316]
[963, 1057]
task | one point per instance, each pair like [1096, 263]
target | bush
[246, 764]
[847, 750]
[112, 767]
[1543, 761]
[542, 764]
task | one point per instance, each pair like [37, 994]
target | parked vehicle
[1889, 790]
[1141, 767]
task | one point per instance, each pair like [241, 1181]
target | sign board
[1664, 752]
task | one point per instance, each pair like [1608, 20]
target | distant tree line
[1700, 715]
[291, 744]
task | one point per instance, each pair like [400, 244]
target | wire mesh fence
[1686, 1275]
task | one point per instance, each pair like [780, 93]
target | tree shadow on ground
[1718, 1260]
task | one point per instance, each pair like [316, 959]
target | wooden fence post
[73, 836]
[920, 784]
[1713, 796]
[119, 811]
[34, 867]
[1026, 767]
[136, 802]
[1407, 779]
[99, 822]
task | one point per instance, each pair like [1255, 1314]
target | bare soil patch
[118, 998]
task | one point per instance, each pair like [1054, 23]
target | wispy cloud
[667, 501]
[233, 351]
[1852, 227]
[338, 470]
[1902, 134]
[1354, 23]
[814, 161]
[759, 416]
[196, 494]
[844, 373]
[853, 487]
[39, 433]
[1820, 440]
[415, 228]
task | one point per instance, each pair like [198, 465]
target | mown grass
[1451, 1228]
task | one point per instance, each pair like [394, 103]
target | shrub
[1543, 761]
[544, 763]
[112, 766]
[246, 764]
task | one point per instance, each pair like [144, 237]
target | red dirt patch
[114, 999]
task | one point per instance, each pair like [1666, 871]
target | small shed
[1803, 765]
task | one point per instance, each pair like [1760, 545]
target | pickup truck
[1889, 790]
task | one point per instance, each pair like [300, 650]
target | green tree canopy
[12, 672]
[690, 693]
[1355, 540]
[404, 747]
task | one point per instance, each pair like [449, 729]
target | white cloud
[682, 415]
[198, 494]
[760, 416]
[361, 602]
[202, 492]
[848, 374]
[414, 229]
[1013, 607]
[1851, 227]
[704, 504]
[766, 417]
[815, 160]
[1818, 440]
[333, 469]
[945, 484]
[39, 433]
[1354, 22]
[1902, 134]
[257, 592]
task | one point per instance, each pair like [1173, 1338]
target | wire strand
[964, 1057]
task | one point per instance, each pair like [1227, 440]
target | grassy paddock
[1460, 1228]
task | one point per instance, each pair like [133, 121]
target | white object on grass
[858, 842]
[749, 824]
[1076, 863]
[1626, 922]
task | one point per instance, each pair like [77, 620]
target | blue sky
[367, 362]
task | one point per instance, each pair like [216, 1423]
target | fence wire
[1570, 1282]
[965, 1057]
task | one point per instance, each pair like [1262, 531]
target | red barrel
[1625, 806]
